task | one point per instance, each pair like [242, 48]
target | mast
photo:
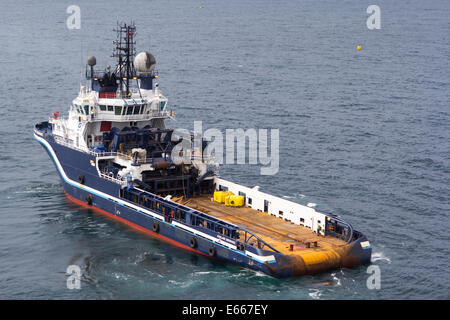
[125, 51]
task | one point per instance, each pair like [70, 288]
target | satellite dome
[91, 61]
[144, 62]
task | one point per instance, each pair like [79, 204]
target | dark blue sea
[363, 134]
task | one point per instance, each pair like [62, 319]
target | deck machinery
[115, 154]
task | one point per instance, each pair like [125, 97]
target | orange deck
[278, 233]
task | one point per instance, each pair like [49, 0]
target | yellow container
[219, 196]
[234, 201]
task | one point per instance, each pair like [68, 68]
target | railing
[112, 178]
[294, 212]
[110, 115]
[332, 219]
[151, 113]
[170, 205]
[129, 156]
[61, 141]
[111, 154]
[261, 243]
[58, 117]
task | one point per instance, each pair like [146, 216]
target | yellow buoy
[358, 48]
[201, 7]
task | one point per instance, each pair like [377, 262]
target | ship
[114, 154]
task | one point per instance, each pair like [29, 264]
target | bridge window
[118, 110]
[249, 200]
[110, 108]
[129, 110]
[137, 109]
[102, 108]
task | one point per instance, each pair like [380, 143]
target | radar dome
[91, 61]
[144, 62]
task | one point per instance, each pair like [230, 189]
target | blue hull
[104, 195]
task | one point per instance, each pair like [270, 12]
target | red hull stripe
[135, 226]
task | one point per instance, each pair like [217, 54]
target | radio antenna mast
[125, 51]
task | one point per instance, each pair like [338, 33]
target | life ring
[193, 243]
[81, 179]
[212, 251]
[155, 226]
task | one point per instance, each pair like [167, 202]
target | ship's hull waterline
[102, 195]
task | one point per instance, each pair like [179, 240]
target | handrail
[111, 178]
[258, 238]
[110, 115]
[205, 216]
[116, 153]
[337, 219]
[89, 151]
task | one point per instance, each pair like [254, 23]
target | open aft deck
[284, 236]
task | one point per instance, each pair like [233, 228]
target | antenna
[125, 51]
